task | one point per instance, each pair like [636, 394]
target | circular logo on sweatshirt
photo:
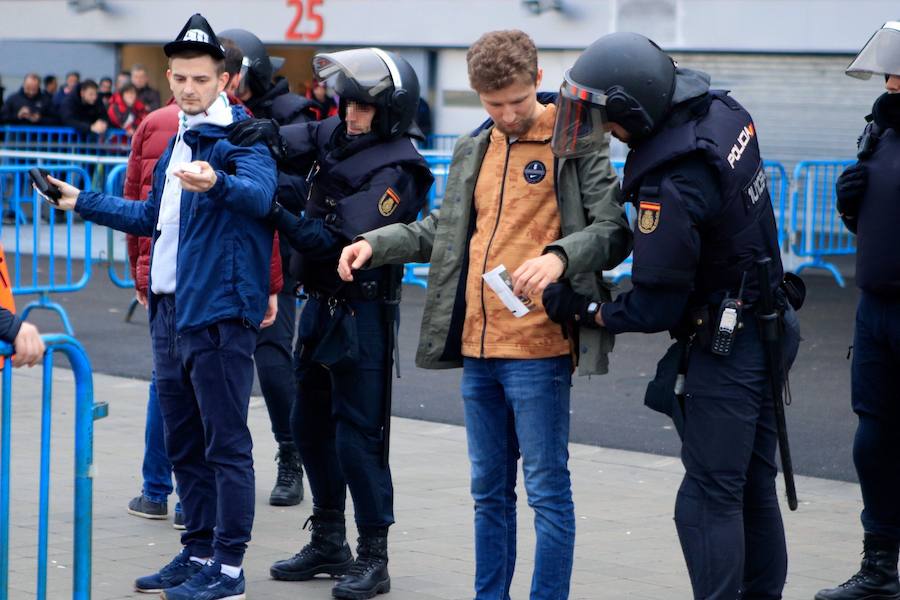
[535, 171]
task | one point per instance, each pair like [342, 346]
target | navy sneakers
[175, 573]
[209, 584]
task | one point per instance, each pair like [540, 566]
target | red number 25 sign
[307, 23]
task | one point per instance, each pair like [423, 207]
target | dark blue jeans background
[876, 400]
[156, 468]
[519, 407]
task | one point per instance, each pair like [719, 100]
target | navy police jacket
[357, 184]
[224, 248]
[877, 242]
[704, 215]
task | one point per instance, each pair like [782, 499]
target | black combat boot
[368, 575]
[288, 490]
[876, 579]
[327, 552]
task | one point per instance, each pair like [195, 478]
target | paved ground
[607, 411]
[626, 549]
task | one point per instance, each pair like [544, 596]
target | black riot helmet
[880, 55]
[373, 76]
[622, 78]
[257, 67]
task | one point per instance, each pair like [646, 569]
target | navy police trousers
[203, 379]
[337, 418]
[876, 400]
[726, 512]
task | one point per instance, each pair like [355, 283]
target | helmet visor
[580, 121]
[365, 67]
[880, 55]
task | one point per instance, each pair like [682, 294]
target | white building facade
[783, 59]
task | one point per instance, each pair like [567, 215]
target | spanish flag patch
[648, 216]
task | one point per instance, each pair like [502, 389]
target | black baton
[771, 339]
[391, 302]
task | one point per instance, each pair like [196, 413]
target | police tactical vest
[744, 229]
[333, 178]
[336, 176]
[877, 242]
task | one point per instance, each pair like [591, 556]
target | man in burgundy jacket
[150, 140]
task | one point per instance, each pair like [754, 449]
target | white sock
[233, 572]
[199, 561]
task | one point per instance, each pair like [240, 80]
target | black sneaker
[173, 574]
[142, 506]
[178, 519]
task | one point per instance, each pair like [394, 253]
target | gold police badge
[388, 203]
[648, 216]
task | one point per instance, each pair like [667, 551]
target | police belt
[355, 290]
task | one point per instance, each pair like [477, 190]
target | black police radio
[729, 321]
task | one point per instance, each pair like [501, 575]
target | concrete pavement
[626, 541]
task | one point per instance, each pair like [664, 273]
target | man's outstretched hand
[68, 197]
[354, 257]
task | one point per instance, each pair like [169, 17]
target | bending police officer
[695, 175]
[253, 85]
[867, 203]
[365, 173]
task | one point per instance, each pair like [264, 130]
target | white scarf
[165, 250]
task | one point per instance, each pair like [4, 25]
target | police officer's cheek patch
[535, 171]
[388, 203]
[648, 216]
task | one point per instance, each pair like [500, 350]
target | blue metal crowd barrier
[814, 216]
[63, 139]
[441, 142]
[86, 412]
[417, 273]
[45, 278]
[115, 182]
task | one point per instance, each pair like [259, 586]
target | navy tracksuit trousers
[204, 378]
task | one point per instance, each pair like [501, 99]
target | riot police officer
[254, 86]
[704, 219]
[364, 173]
[867, 202]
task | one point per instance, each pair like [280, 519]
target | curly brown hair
[500, 58]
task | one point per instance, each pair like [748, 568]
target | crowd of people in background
[94, 106]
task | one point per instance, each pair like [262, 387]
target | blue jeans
[513, 407]
[156, 468]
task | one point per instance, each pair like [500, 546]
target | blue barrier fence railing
[63, 139]
[86, 412]
[417, 273]
[119, 271]
[46, 247]
[820, 232]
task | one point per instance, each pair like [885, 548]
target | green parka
[595, 237]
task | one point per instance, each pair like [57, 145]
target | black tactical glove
[565, 305]
[850, 188]
[253, 131]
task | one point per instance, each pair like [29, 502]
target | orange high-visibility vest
[6, 296]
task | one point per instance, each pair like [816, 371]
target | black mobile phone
[44, 187]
